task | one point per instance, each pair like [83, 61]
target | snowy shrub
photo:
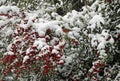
[38, 44]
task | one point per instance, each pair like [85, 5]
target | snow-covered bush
[35, 46]
[32, 42]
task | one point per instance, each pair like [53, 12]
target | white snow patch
[54, 51]
[96, 20]
[9, 53]
[25, 59]
[39, 43]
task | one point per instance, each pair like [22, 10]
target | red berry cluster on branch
[30, 51]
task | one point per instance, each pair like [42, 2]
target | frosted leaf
[54, 14]
[117, 77]
[118, 26]
[102, 54]
[118, 10]
[28, 51]
[94, 42]
[105, 33]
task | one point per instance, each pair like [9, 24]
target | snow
[2, 1]
[105, 33]
[32, 16]
[5, 9]
[94, 42]
[85, 9]
[118, 26]
[53, 41]
[54, 51]
[103, 55]
[45, 49]
[88, 19]
[9, 53]
[28, 51]
[100, 38]
[2, 23]
[39, 43]
[101, 46]
[111, 41]
[117, 77]
[71, 35]
[8, 30]
[72, 19]
[53, 14]
[15, 9]
[25, 26]
[18, 39]
[25, 58]
[68, 59]
[62, 43]
[59, 31]
[57, 47]
[76, 34]
[99, 4]
[118, 10]
[96, 20]
[9, 47]
[41, 33]
[9, 78]
[93, 6]
[76, 29]
[43, 26]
